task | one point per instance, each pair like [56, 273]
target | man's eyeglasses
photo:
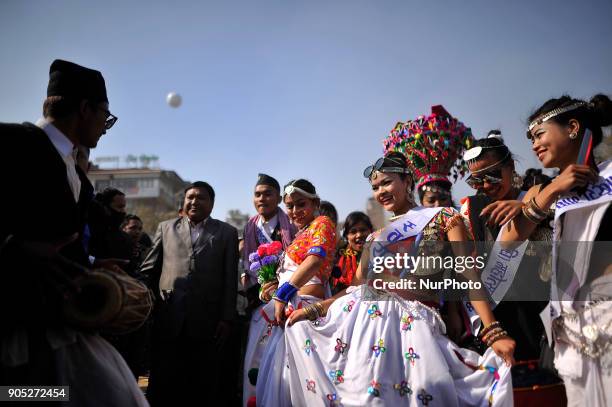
[378, 166]
[111, 119]
[491, 177]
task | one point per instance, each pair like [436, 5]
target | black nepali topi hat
[70, 80]
[263, 179]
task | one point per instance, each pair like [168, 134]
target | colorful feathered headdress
[433, 145]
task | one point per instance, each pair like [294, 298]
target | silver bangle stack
[533, 212]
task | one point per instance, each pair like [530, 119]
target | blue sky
[303, 88]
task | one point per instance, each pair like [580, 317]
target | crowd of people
[93, 303]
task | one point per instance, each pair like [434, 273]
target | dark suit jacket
[37, 204]
[202, 276]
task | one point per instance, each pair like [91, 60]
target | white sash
[502, 266]
[409, 225]
[497, 277]
[595, 194]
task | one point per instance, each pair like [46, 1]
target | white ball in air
[174, 99]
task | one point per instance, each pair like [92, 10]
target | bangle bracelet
[315, 312]
[534, 211]
[491, 334]
[530, 217]
[536, 208]
[308, 312]
[320, 309]
[312, 311]
[488, 328]
[497, 337]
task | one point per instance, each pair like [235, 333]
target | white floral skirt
[387, 351]
[272, 381]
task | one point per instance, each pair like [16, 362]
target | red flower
[275, 248]
[261, 250]
[269, 249]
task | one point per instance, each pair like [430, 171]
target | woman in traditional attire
[303, 277]
[434, 147]
[384, 347]
[357, 227]
[563, 132]
[519, 301]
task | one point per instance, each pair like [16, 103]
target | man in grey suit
[192, 267]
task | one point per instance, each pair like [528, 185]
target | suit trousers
[187, 368]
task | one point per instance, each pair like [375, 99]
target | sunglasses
[111, 119]
[378, 166]
[491, 177]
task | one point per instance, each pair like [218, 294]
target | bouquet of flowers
[265, 261]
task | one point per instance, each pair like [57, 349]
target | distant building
[159, 191]
[376, 213]
[237, 219]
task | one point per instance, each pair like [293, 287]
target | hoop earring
[573, 135]
[517, 180]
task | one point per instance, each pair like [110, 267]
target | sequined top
[445, 220]
[434, 239]
[318, 239]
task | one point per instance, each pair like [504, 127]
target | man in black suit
[194, 264]
[41, 249]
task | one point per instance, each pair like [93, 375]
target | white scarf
[583, 215]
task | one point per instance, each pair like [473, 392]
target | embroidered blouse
[445, 220]
[318, 239]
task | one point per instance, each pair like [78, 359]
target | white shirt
[269, 225]
[67, 151]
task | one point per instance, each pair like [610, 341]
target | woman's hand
[268, 289]
[279, 312]
[574, 176]
[296, 316]
[504, 348]
[501, 212]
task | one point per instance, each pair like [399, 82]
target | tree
[151, 218]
